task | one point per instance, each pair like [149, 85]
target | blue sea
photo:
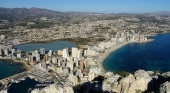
[150, 56]
[8, 68]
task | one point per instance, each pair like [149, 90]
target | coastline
[25, 66]
[107, 52]
[112, 49]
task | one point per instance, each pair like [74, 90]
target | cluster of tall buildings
[66, 62]
[9, 52]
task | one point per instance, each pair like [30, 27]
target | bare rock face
[140, 83]
[3, 91]
[54, 89]
[126, 83]
[165, 87]
[166, 74]
[150, 72]
[130, 84]
[111, 82]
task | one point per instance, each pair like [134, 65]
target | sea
[149, 56]
[8, 67]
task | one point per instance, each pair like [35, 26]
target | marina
[13, 79]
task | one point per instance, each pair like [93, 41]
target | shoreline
[25, 66]
[114, 48]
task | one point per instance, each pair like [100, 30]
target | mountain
[27, 12]
[160, 13]
[13, 14]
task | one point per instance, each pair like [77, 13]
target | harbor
[6, 82]
[15, 78]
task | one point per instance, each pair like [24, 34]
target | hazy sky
[101, 6]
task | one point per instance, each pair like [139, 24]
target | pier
[5, 81]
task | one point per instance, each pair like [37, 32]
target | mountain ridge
[35, 11]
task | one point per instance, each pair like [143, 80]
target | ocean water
[7, 69]
[26, 86]
[54, 46]
[153, 56]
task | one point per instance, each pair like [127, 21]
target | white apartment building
[65, 53]
[74, 52]
[79, 54]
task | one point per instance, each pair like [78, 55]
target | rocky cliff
[130, 84]
[140, 82]
[54, 89]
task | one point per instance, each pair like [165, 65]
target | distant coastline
[112, 49]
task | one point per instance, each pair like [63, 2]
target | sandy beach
[107, 52]
[112, 49]
[27, 67]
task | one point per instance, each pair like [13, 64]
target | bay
[7, 69]
[154, 56]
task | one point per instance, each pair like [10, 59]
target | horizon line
[88, 12]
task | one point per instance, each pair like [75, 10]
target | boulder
[165, 87]
[140, 83]
[166, 74]
[129, 84]
[3, 91]
[54, 89]
[150, 72]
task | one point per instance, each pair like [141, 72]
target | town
[96, 36]
[69, 66]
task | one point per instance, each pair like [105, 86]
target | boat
[23, 78]
[16, 81]
[12, 80]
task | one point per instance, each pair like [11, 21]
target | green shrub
[122, 73]
[138, 91]
[76, 88]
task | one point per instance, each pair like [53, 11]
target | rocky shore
[140, 82]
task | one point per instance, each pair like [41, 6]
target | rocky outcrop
[3, 91]
[130, 84]
[54, 89]
[166, 74]
[165, 87]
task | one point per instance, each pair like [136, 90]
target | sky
[94, 6]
